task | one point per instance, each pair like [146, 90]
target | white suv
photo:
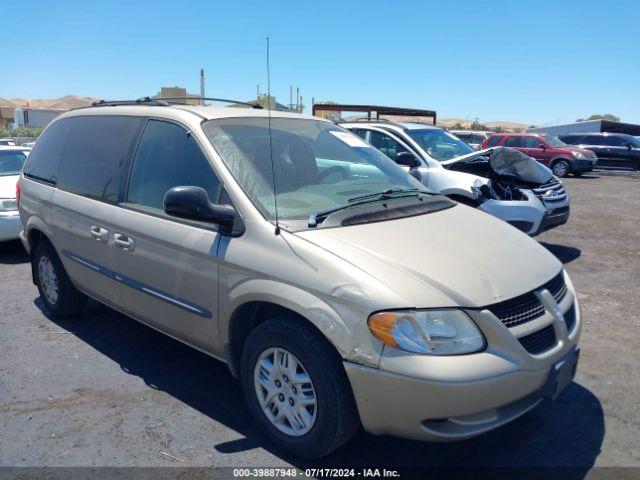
[447, 165]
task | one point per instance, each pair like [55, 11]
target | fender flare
[308, 306]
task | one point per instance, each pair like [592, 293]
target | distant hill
[450, 122]
[64, 103]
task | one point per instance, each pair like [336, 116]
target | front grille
[557, 287]
[518, 310]
[540, 341]
[527, 307]
[552, 192]
[570, 318]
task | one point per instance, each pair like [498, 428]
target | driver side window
[167, 157]
[387, 145]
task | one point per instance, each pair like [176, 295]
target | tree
[26, 132]
[597, 116]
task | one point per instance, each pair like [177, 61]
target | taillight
[18, 193]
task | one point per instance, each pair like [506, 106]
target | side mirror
[407, 159]
[193, 203]
[542, 146]
[629, 146]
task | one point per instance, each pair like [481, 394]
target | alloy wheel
[48, 279]
[285, 392]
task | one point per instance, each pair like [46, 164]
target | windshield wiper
[391, 192]
[318, 217]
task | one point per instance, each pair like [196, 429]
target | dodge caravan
[336, 287]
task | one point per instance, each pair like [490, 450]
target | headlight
[578, 155]
[428, 332]
[8, 205]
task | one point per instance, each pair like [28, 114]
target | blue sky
[523, 61]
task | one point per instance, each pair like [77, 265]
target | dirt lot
[105, 390]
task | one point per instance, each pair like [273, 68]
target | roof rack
[212, 99]
[164, 101]
[380, 110]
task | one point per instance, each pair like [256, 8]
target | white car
[472, 137]
[11, 162]
[447, 165]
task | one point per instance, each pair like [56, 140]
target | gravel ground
[103, 390]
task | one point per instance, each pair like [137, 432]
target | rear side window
[494, 140]
[97, 154]
[513, 142]
[44, 159]
[167, 157]
[594, 140]
[571, 139]
[614, 141]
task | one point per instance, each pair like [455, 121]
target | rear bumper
[10, 226]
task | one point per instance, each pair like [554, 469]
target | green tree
[597, 116]
[26, 132]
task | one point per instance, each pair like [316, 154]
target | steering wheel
[328, 171]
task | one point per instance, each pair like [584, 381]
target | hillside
[450, 122]
[65, 103]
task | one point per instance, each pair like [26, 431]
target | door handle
[99, 233]
[123, 242]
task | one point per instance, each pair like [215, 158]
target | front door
[168, 268]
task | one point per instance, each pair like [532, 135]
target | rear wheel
[561, 168]
[296, 388]
[56, 290]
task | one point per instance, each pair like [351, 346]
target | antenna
[273, 167]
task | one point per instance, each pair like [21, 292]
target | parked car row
[573, 153]
[338, 288]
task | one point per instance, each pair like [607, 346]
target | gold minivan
[335, 286]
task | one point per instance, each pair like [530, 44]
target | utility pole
[202, 95]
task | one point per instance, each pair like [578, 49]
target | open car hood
[507, 162]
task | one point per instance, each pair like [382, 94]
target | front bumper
[458, 397]
[553, 218]
[583, 165]
[10, 226]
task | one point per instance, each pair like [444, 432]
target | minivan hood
[8, 186]
[454, 257]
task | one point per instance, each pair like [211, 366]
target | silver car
[337, 289]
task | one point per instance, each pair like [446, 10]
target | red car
[563, 159]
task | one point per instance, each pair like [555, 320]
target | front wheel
[296, 388]
[561, 168]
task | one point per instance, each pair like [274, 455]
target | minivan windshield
[316, 165]
[11, 162]
[440, 145]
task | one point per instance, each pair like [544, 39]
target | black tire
[336, 416]
[561, 168]
[70, 301]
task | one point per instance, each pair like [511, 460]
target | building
[6, 116]
[589, 126]
[173, 92]
[32, 117]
